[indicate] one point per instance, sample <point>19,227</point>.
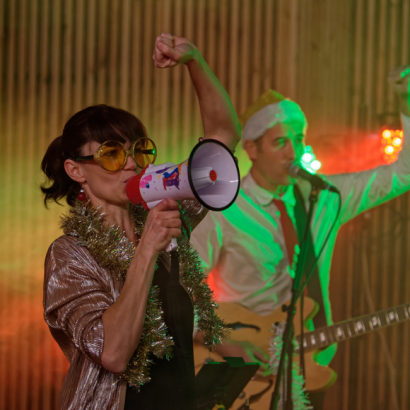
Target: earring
<point>81,195</point>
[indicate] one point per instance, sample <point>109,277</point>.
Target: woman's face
<point>103,187</point>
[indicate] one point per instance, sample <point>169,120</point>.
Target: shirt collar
<point>263,197</point>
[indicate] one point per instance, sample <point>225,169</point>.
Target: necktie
<point>289,231</point>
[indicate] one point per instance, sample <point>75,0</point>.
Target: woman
<point>128,342</point>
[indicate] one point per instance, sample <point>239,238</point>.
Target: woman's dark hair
<point>96,123</point>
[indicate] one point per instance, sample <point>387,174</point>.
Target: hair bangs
<point>114,124</point>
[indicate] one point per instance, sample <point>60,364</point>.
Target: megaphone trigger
<point>172,245</point>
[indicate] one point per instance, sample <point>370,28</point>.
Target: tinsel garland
<point>299,396</point>
<point>113,251</point>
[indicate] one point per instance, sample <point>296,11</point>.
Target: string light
<point>307,157</point>
<point>309,161</point>
<point>389,150</point>
<point>392,144</point>
<point>315,164</point>
<point>397,142</point>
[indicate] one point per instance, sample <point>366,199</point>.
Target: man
<point>247,250</point>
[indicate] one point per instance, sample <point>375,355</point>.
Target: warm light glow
<point>309,161</point>
<point>397,142</point>
<point>390,158</point>
<point>389,149</point>
<point>307,157</point>
<point>392,144</point>
<point>386,134</point>
<point>316,164</point>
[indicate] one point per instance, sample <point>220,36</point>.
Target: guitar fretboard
<point>338,332</point>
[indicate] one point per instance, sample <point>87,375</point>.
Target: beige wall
<point>331,56</point>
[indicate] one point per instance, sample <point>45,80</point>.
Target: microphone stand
<point>287,347</point>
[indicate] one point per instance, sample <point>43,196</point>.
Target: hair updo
<point>98,123</point>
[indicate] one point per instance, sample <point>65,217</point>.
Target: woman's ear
<point>74,171</point>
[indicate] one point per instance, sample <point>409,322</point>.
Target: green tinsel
<point>113,251</point>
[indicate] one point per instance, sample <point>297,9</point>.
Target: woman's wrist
<point>142,265</point>
<point>195,60</point>
<point>146,251</point>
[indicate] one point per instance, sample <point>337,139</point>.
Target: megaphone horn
<point>210,175</point>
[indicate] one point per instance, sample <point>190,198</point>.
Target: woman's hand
<point>124,320</point>
<point>218,115</point>
<point>163,223</point>
<point>170,51</point>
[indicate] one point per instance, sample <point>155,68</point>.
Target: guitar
<point>251,327</point>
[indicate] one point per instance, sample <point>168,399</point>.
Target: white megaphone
<point>210,175</point>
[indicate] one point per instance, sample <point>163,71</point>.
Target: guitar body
<point>318,378</point>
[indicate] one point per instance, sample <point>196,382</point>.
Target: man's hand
<point>399,78</point>
<point>248,351</point>
<point>170,51</point>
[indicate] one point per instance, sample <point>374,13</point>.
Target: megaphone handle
<point>172,245</point>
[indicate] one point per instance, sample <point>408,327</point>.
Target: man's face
<point>274,152</point>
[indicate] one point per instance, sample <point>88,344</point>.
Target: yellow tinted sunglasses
<point>112,155</point>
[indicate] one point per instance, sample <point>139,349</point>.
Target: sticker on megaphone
<point>210,175</point>
<point>159,182</point>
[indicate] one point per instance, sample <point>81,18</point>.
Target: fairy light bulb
<point>391,143</point>
<point>307,157</point>
<point>389,149</point>
<point>316,165</point>
<point>309,161</point>
<point>397,142</point>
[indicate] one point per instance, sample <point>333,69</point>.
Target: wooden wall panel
<point>332,57</point>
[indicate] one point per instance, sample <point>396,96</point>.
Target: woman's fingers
<point>166,39</point>
<point>160,49</point>
<point>168,35</point>
<point>163,223</point>
<point>166,204</point>
<point>170,56</point>
<point>171,223</point>
<point>175,233</point>
<point>170,50</point>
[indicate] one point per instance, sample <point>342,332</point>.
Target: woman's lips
<point>132,176</point>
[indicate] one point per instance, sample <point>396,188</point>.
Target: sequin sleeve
<point>76,294</point>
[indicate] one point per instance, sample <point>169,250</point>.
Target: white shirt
<point>243,248</point>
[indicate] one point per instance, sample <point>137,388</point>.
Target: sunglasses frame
<point>131,152</point>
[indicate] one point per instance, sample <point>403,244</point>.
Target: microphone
<point>296,170</point>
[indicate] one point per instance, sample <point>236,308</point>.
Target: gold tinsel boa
<point>113,251</point>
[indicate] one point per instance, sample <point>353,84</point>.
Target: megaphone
<point>210,175</point>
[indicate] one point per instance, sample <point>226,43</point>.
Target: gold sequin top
<point>77,291</point>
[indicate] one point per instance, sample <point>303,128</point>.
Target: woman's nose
<point>130,164</point>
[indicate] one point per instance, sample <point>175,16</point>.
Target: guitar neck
<point>325,336</point>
